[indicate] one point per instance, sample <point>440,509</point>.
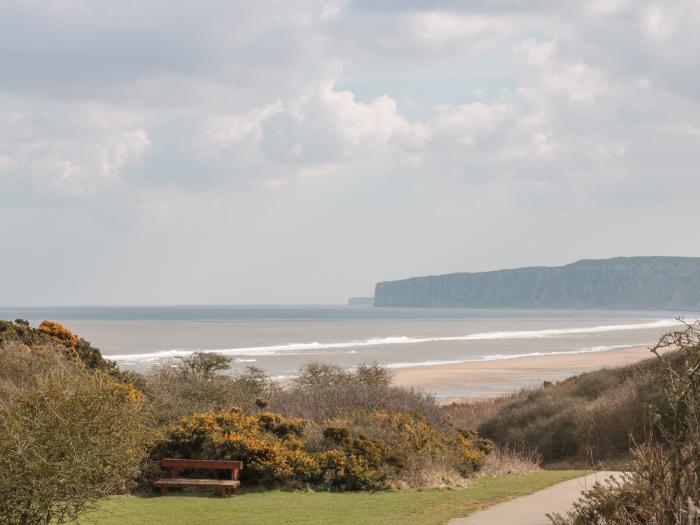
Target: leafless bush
<point>195,384</point>
<point>323,392</point>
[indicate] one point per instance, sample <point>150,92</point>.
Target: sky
<point>298,152</point>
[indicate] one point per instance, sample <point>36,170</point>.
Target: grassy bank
<point>432,506</point>
<point>583,420</point>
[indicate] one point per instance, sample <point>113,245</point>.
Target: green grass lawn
<point>427,507</point>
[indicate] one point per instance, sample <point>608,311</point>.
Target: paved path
<point>532,509</point>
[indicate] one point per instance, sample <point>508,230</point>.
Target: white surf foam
<point>501,357</point>
<point>313,348</point>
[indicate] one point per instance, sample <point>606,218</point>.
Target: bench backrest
<point>173,465</point>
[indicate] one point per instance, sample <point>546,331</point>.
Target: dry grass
<point>506,461</point>
<point>587,419</point>
<point>474,412</point>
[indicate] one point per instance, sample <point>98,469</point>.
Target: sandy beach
<point>480,379</point>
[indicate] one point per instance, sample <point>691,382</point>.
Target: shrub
<point>323,392</point>
<point>196,384</point>
<point>54,337</point>
<point>268,444</point>
<point>663,483</point>
<point>375,451</point>
<point>353,463</point>
<point>411,444</point>
<point>321,375</point>
<point>594,416</point>
<point>203,365</point>
<point>70,436</point>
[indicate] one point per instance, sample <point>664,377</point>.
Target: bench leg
<point>223,491</point>
<point>163,491</point>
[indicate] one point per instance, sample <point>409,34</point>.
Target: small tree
<point>203,365</point>
<point>197,383</point>
<point>70,436</point>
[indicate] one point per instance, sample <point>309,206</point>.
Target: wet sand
<point>489,378</point>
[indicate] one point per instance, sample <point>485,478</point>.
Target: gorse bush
<point>53,338</point>
<point>53,335</point>
<point>371,452</point>
<point>413,443</point>
<point>269,445</point>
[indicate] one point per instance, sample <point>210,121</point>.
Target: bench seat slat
<point>188,482</point>
<point>201,464</point>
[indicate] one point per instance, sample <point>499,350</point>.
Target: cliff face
<point>664,283</point>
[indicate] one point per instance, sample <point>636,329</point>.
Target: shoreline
<point>483,379</point>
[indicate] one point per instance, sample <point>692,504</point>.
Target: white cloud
<point>578,81</point>
<point>286,118</point>
<point>536,53</point>
<point>224,131</point>
<point>467,123</point>
<point>128,147</point>
<point>329,125</point>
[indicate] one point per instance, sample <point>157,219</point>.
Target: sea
<point>280,339</point>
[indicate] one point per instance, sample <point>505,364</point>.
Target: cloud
<point>128,147</point>
<point>90,173</point>
<point>73,151</point>
<point>329,125</point>
<point>241,127</point>
<point>233,94</point>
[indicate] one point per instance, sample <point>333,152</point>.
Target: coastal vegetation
<point>663,481</point>
<point>644,419</point>
<point>78,429</point>
<point>70,435</point>
<point>588,419</point>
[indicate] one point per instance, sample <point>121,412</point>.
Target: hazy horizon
<point>297,153</point>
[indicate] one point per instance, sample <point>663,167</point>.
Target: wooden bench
<point>224,486</point>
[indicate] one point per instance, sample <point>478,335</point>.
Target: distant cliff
<point>664,283</point>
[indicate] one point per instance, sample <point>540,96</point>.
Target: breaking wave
<point>501,357</point>
<point>313,348</point>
